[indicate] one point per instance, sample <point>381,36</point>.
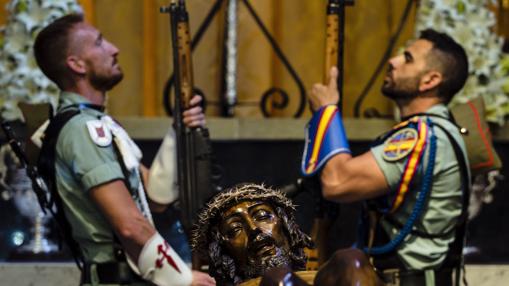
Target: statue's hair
<point>206,237</point>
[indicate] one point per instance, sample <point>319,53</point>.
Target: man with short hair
<point>94,167</point>
<point>415,178</point>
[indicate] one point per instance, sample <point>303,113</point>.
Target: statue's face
<point>254,236</point>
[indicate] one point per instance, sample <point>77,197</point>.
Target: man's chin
<point>107,84</point>
<point>388,93</point>
<point>400,98</point>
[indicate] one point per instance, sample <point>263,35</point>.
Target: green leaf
<point>22,6</point>
<point>460,6</point>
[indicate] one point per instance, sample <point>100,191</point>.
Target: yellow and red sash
<point>411,143</point>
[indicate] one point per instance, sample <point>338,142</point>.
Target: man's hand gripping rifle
<point>193,144</point>
<point>322,145</point>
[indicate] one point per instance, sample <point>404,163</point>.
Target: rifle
<point>324,211</point>
<point>38,184</point>
<point>194,150</point>
<point>47,200</point>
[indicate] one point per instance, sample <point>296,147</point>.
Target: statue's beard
<point>257,267</point>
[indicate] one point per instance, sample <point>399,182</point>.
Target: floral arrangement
<point>20,78</point>
<point>471,22</point>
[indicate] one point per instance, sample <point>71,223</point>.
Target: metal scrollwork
<point>269,98</point>
<point>282,102</point>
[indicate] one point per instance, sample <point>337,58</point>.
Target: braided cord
<point>419,204</point>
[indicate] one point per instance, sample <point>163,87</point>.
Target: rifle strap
<point>455,257</point>
<point>463,168</point>
<point>46,166</point>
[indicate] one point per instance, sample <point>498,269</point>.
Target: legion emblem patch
<point>400,144</point>
<point>99,132</point>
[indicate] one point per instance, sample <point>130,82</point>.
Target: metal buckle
<point>391,277</point>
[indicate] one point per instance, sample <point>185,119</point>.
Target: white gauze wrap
<point>161,265</point>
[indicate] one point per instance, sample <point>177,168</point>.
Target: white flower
<point>20,78</point>
<point>470,23</point>
<point>17,40</point>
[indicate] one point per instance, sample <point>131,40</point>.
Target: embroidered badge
<point>400,144</point>
<point>99,133</point>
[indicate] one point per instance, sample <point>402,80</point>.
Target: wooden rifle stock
<point>333,57</point>
<point>332,39</point>
<point>193,144</point>
<point>184,66</point>
<point>334,42</point>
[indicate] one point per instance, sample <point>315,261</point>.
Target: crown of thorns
<point>201,234</point>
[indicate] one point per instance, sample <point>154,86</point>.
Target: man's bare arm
<point>347,179</point>
<point>132,228</point>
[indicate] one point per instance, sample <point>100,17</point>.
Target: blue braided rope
<point>419,204</point>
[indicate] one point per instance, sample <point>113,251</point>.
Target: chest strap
<point>46,167</point>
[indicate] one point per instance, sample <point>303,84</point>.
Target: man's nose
<point>114,50</point>
<point>394,61</point>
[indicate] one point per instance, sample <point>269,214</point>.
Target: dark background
<point>277,164</point>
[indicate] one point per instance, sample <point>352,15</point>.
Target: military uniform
<point>86,158</point>
<point>443,206</point>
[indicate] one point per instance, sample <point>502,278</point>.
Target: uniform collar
<point>439,110</point>
<point>68,99</point>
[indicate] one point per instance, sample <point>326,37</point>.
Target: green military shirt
<point>82,164</point>
<point>444,205</point>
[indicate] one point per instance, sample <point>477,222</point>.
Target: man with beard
<point>415,177</point>
<point>93,168</point>
<point>246,230</point>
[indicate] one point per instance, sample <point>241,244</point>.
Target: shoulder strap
<point>454,257</point>
<point>46,166</point>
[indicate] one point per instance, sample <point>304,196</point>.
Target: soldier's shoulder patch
<point>99,132</point>
<point>400,144</point>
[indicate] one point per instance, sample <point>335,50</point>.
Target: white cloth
<point>162,183</point>
<point>131,155</point>
<point>130,152</point>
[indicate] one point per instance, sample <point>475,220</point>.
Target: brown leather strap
<point>397,277</point>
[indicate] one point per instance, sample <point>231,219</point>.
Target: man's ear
<point>76,64</point>
<point>429,81</point>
